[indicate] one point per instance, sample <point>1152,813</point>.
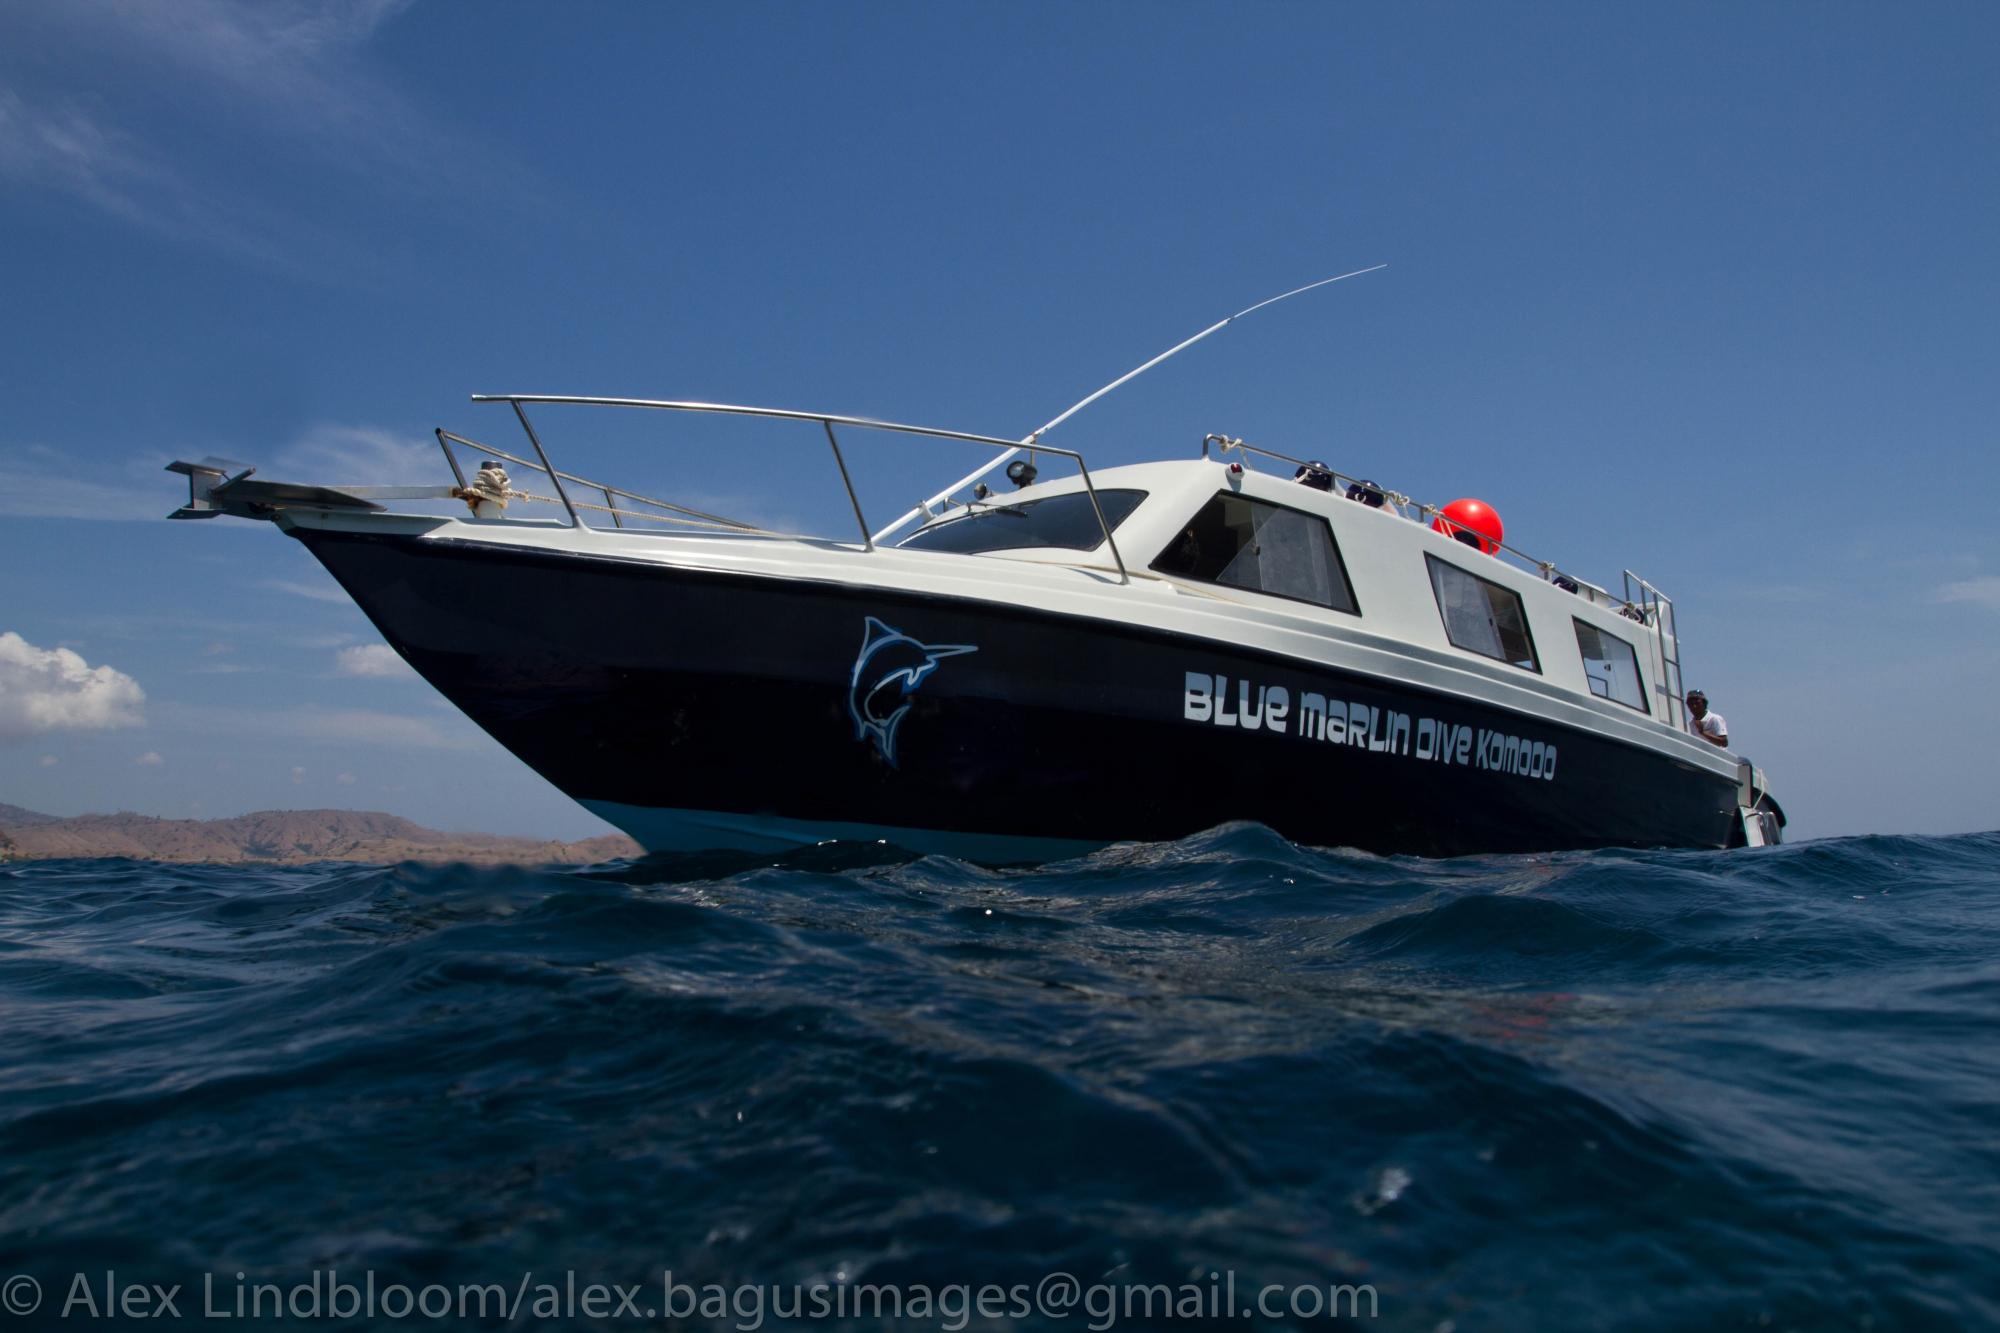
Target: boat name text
<point>1209,699</point>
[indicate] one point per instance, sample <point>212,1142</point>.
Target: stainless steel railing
<point>670,512</point>
<point>1642,602</point>
<point>1420,512</point>
<point>1658,610</point>
<point>826,420</point>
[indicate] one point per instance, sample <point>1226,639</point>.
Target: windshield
<point>1065,521</point>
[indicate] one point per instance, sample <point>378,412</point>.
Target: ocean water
<point>1621,1089</point>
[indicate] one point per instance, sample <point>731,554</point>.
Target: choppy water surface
<point>1635,1089</point>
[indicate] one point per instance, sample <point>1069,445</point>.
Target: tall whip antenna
<point>1028,441</point>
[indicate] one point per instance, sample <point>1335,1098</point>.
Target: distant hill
<point>282,836</point>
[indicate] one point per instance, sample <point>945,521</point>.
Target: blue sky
<point>1704,291</point>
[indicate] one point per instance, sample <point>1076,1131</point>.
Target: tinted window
<point>1245,543</point>
<point>1481,616</point>
<point>1067,521</point>
<point>1612,667</point>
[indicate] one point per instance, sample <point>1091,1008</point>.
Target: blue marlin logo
<point>888,670</point>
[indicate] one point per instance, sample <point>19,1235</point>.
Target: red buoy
<point>1472,522</point>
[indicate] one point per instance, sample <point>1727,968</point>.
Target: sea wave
<point>1661,1089</point>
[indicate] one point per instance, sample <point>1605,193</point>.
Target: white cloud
<point>1983,591</point>
<point>52,689</point>
<point>48,761</point>
<point>344,779</point>
<point>298,775</point>
<point>150,759</point>
<point>371,659</point>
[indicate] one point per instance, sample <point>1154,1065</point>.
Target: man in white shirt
<point>1709,726</point>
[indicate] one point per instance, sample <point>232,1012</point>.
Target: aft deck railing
<point>826,420</point>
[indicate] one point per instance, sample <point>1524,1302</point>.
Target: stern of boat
<point>1760,819</point>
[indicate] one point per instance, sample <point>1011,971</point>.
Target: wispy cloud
<point>61,146</point>
<point>285,54</point>
<point>1982,591</point>
<point>360,455</point>
<point>280,81</point>
<point>318,592</point>
<point>377,660</point>
<point>336,726</point>
<point>39,482</point>
<point>44,690</point>
<point>362,726</point>
<point>215,666</point>
<point>65,148</point>
<point>150,759</point>
<point>1778,592</point>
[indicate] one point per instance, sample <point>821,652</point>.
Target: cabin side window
<point>1244,543</point>
<point>1482,617</point>
<point>1612,667</point>
<point>1067,522</point>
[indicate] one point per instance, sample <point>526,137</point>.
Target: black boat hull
<point>705,709</point>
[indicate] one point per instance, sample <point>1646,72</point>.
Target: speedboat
<point>1134,653</point>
